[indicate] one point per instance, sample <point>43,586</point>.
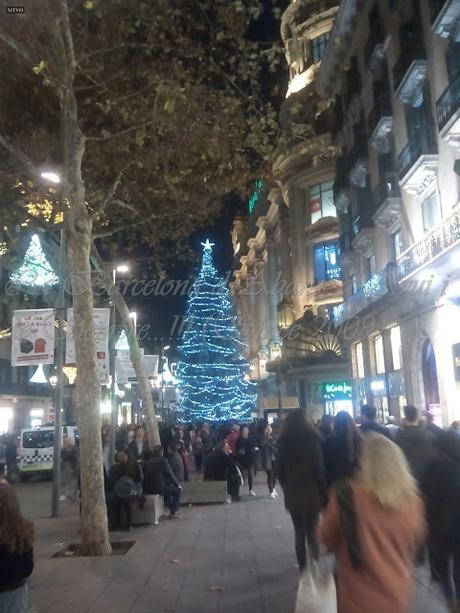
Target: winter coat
<point>177,465</point>
<point>341,459</point>
<point>14,568</point>
<point>231,440</point>
<point>268,453</point>
<point>440,486</point>
<point>245,453</point>
<point>373,426</point>
<point>302,475</point>
<point>134,452</point>
<point>417,445</point>
<point>388,539</point>
<point>157,476</point>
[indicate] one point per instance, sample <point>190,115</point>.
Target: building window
<point>359,360</point>
<point>396,347</point>
<point>430,212</point>
<point>322,201</point>
<point>326,261</point>
<point>318,46</point>
<point>379,357</point>
<point>371,267</point>
<point>396,243</point>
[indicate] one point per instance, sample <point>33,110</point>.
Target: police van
<point>36,449</point>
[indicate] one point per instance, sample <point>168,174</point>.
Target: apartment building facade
<point>391,70</point>
<point>287,276</point>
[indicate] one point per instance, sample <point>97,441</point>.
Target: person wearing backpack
<point>122,486</point>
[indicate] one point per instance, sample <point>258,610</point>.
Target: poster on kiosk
<point>32,337</point>
<point>101,318</point>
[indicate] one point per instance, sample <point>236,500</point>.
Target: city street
<point>215,558</point>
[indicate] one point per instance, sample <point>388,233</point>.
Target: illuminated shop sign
<point>337,390</point>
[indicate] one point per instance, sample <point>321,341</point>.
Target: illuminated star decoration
<point>35,271</point>
<point>207,245</point>
<point>212,370</point>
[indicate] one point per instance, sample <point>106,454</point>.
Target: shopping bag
<point>316,592</point>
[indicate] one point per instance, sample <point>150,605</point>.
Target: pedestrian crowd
<point>382,499</point>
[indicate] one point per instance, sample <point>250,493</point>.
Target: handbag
<point>316,592</point>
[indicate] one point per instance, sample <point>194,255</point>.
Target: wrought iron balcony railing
<point>388,188</point>
<point>382,108</point>
<point>422,143</point>
<point>412,49</point>
<point>449,101</point>
<point>443,236</point>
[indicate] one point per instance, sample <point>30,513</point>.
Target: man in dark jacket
<point>440,487</point>
<point>160,479</point>
<point>139,446</point>
<point>415,442</point>
<point>369,421</point>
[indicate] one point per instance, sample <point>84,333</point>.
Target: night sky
<point>161,312</point>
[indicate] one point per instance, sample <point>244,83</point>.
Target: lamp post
<point>121,268</point>
<point>162,359</point>
<point>53,177</point>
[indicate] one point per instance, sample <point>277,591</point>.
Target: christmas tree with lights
<point>212,372</point>
<point>35,270</point>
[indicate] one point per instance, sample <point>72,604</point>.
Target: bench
<point>151,512</point>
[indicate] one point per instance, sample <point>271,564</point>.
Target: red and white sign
<point>33,337</point>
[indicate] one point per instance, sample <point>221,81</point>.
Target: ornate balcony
<point>418,163</point>
<point>448,109</point>
<point>358,160</point>
<point>410,71</point>
<point>445,18</point>
<point>380,124</point>
<point>363,234</point>
<point>443,237</point>
<point>374,289</point>
<point>342,200</point>
<point>374,51</point>
<point>387,202</point>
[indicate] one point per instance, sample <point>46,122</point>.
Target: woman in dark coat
<point>341,449</point>
<point>269,456</point>
<point>302,476</point>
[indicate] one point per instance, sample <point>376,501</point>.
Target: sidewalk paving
<point>214,559</point>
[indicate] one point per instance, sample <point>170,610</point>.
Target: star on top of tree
<point>207,245</point>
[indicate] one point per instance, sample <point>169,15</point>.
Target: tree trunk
<point>145,388</point>
<point>93,518</point>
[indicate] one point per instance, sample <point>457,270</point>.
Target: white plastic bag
<point>316,592</point>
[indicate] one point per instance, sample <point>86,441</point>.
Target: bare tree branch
<point>110,193</point>
<point>124,227</point>
<point>19,155</point>
<point>121,133</point>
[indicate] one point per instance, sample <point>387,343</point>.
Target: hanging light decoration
<point>35,270</point>
<point>39,375</point>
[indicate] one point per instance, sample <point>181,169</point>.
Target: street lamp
<point>123,268</point>
<point>133,316</point>
<point>53,177</point>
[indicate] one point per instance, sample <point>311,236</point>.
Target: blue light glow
<point>212,371</point>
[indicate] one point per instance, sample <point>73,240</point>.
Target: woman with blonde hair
<point>374,523</point>
<point>16,552</point>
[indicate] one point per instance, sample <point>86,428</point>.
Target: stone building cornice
<point>310,154</point>
<point>339,47</point>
